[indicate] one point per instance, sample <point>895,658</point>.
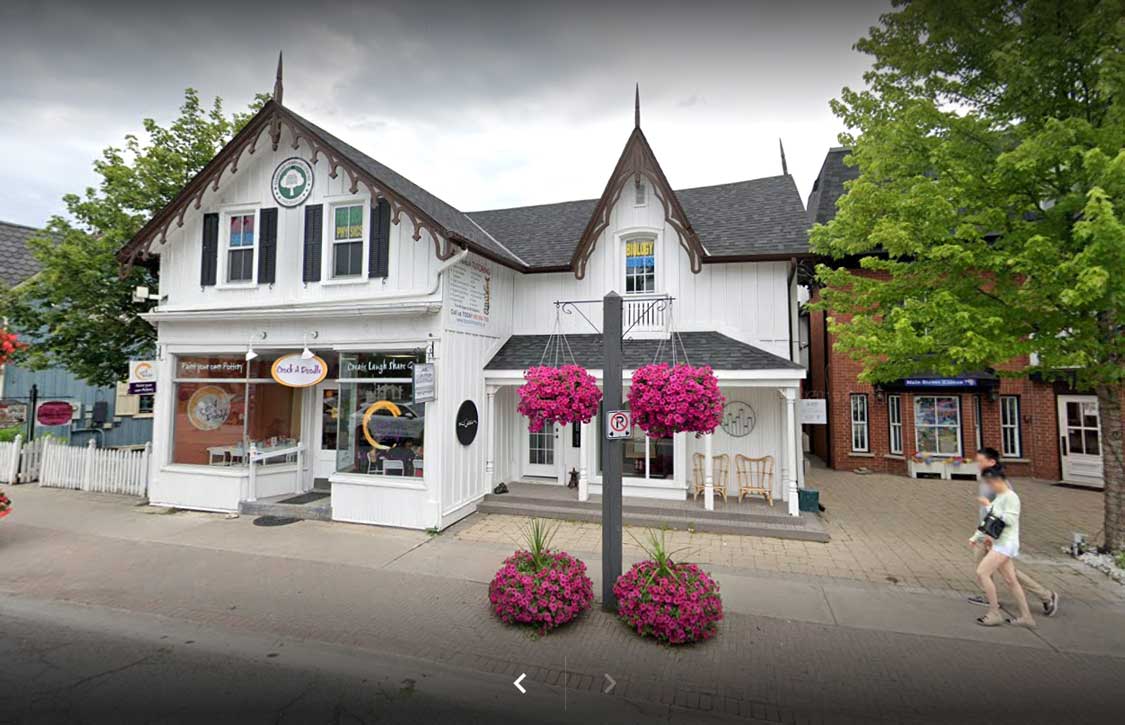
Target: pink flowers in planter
<point>539,586</point>
<point>680,606</point>
<point>681,399</point>
<point>566,394</point>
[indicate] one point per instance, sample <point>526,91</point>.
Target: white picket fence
<point>19,461</point>
<point>94,469</point>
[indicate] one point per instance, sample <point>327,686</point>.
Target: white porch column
<point>708,473</point>
<point>583,463</point>
<point>490,427</point>
<point>792,451</point>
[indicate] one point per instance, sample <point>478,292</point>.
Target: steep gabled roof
<point>18,264</point>
<point>829,185</point>
<point>545,236</point>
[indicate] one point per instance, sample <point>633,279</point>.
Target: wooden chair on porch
<point>755,477</point>
<point>697,476</point>
<point>721,474</point>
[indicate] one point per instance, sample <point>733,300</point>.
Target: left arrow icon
<point>518,681</point>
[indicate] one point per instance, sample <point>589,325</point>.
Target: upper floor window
<point>640,193</point>
<point>241,242</point>
<point>347,241</point>
<point>640,266</point>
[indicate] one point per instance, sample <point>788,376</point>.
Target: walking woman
<point>1002,526</point>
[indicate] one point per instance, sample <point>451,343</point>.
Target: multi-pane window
<point>541,446</point>
<point>240,248</point>
<point>894,419</point>
<point>860,440</point>
<point>1010,426</point>
<point>347,241</point>
<point>937,424</point>
<point>640,266</point>
<point>145,404</point>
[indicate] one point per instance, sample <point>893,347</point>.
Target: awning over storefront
<point>971,382</point>
<point>703,348</point>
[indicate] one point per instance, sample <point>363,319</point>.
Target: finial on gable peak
<point>637,108</point>
<point>278,89</point>
<point>784,166</point>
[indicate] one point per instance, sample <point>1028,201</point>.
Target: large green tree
<point>78,311</point>
<point>989,203</point>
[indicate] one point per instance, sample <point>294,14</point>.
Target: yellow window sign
<point>640,248</point>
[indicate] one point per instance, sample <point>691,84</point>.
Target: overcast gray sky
<point>486,104</point>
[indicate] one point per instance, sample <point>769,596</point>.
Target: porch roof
<point>703,348</point>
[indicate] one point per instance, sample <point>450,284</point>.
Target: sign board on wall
<point>425,382</point>
<point>292,182</point>
<point>812,411</point>
<point>467,422</point>
<point>295,371</point>
<point>54,412</point>
<point>142,377</point>
<point>470,294</point>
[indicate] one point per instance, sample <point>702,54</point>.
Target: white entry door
<point>327,427</point>
<point>539,452</point>
<point>1080,440</point>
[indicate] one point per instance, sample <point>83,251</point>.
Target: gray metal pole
<point>611,451</point>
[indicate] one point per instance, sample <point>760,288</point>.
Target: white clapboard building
<point>302,282</point>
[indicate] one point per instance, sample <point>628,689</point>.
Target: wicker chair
<point>721,474</point>
<point>697,476</point>
<point>755,477</point>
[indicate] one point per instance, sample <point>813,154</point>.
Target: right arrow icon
<point>610,683</point>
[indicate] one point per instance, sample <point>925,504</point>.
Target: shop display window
<point>380,432</point>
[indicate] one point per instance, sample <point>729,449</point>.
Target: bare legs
<point>992,562</point>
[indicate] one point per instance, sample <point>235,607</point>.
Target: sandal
<point>992,619</point>
<point>1028,623</point>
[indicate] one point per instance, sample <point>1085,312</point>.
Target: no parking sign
<point>619,424</point>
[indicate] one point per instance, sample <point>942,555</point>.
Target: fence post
<point>145,456</point>
<point>14,463</point>
<point>88,466</point>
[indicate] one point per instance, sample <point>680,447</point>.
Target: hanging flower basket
<point>680,399</point>
<point>566,394</point>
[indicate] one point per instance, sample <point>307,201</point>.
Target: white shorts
<point>1010,550</point>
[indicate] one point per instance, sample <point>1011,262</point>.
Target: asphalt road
<point>67,663</point>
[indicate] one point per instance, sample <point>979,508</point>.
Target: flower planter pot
<point>545,598</point>
<point>678,609</point>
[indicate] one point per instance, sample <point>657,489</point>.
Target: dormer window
<point>640,266</point>
<point>240,247</point>
<point>640,193</point>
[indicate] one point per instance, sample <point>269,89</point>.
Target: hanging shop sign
<point>292,182</point>
<point>739,419</point>
<point>425,382</point>
<point>467,422</point>
<point>812,411</point>
<point>142,377</point>
<point>54,412</point>
<point>618,424</point>
<point>295,371</point>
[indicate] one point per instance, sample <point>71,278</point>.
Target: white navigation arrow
<point>610,684</point>
<point>518,681</point>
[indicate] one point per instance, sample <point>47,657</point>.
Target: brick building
<point>926,425</point>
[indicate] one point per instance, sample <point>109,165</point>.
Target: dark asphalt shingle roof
<point>744,218</point>
<point>703,348</point>
<point>17,263</point>
<point>829,186</point>
<point>440,211</point>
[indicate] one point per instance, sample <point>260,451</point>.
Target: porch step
<point>777,514</point>
<point>781,527</point>
<point>316,511</point>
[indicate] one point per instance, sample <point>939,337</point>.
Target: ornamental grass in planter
<point>675,399</point>
<point>566,394</point>
<point>671,602</point>
<point>539,586</point>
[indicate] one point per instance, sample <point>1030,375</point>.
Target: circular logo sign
<point>467,422</point>
<point>292,182</point>
<point>54,412</point>
<point>738,419</point>
<point>295,371</point>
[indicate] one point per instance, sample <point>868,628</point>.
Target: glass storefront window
<point>224,406</point>
<point>642,456</point>
<point>937,424</point>
<point>379,431</point>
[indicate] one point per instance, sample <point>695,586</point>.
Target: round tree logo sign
<point>292,182</point>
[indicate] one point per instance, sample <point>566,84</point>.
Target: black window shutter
<point>378,262</point>
<point>267,246</point>
<point>209,261</point>
<point>314,223</point>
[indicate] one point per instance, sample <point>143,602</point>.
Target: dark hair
<point>996,472</point>
<point>990,453</point>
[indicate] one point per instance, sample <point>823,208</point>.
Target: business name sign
<point>940,382</point>
<point>292,182</point>
<point>142,377</point>
<point>813,411</point>
<point>54,412</point>
<point>295,371</point>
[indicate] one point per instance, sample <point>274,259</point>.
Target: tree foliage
<point>78,311</point>
<point>990,198</point>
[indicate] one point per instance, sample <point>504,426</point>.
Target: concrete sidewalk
<point>790,646</point>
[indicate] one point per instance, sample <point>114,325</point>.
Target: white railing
<point>647,315</point>
<point>94,469</point>
<point>31,460</point>
<point>257,456</point>
<point>10,460</point>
